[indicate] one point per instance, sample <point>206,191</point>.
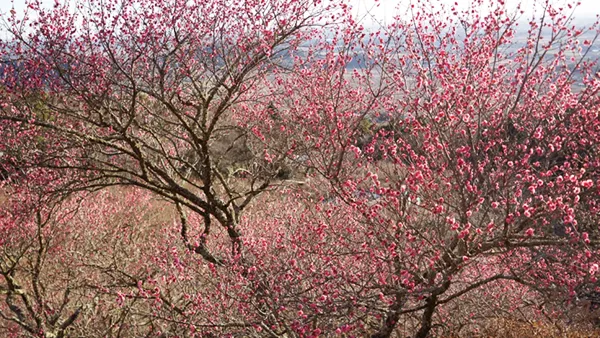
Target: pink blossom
<point>593,269</point>
<point>587,183</point>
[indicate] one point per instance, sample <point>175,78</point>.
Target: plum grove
<point>273,168</point>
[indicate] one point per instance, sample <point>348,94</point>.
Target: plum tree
<point>148,94</point>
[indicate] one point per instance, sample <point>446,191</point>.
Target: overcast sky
<point>587,7</point>
<point>384,10</point>
<point>387,8</point>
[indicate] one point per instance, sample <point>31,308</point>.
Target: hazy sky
<point>386,8</point>
<point>587,7</point>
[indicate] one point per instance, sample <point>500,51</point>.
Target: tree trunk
<point>392,317</point>
<point>427,316</point>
